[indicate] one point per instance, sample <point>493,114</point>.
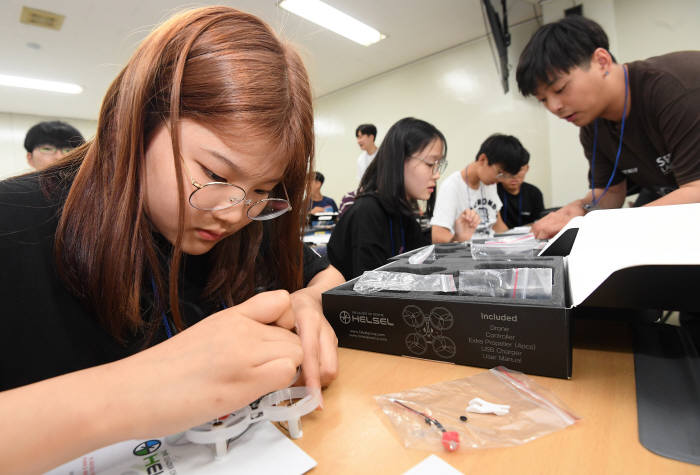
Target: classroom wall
<point>458,90</point>
<point>14,127</point>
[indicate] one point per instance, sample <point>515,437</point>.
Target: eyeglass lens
<point>49,149</point>
<point>268,209</point>
<point>218,196</point>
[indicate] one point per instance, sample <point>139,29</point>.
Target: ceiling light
<point>333,19</point>
<point>40,84</point>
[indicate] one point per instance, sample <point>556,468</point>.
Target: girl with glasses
<point>383,221</point>
<point>135,266</point>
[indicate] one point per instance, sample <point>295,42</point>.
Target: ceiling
<point>98,36</point>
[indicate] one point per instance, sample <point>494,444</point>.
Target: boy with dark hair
<point>522,202</point>
<point>470,194</point>
<point>640,121</point>
<point>320,203</point>
<point>366,134</point>
<point>48,141</point>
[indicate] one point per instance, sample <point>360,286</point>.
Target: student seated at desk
<point>133,264</point>
<point>640,121</point>
<point>320,203</point>
<point>382,221</point>
<point>522,201</point>
<point>471,193</point>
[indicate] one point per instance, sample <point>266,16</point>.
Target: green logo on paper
<point>148,447</point>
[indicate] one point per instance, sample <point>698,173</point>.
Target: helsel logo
<point>148,447</point>
<point>347,318</point>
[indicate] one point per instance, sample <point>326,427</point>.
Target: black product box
<point>532,336</point>
<point>453,249</point>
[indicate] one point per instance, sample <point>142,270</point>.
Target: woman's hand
<point>320,365</point>
<point>465,225</point>
<point>217,366</point>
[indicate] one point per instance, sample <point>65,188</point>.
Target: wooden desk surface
<point>352,435</point>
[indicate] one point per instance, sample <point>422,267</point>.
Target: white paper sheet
<point>263,449</point>
<point>433,465</point>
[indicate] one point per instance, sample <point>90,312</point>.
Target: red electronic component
<point>450,440</point>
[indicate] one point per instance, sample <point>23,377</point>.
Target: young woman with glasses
<point>135,267</point>
<point>383,221</point>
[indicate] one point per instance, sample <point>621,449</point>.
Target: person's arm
<point>439,234</point>
<point>499,226</point>
<point>686,193</point>
<point>551,224</point>
<point>231,358</point>
<point>538,204</point>
<point>320,365</point>
<point>465,225</point>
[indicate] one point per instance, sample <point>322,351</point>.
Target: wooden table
<point>352,435</point>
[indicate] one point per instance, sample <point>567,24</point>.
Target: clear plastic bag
<point>376,280</point>
<point>507,247</point>
<point>534,412</point>
<point>518,283</point>
<point>483,231</point>
<point>424,255</point>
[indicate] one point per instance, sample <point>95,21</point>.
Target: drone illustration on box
<point>429,331</point>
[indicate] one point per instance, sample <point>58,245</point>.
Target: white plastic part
<point>294,426</point>
<point>219,431</point>
<point>481,406</point>
<point>420,256</point>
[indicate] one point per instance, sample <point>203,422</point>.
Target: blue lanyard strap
<point>166,322</point>
<point>595,201</point>
<point>391,234</point>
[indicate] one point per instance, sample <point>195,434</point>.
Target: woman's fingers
<point>269,307</point>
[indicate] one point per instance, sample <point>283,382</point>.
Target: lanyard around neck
<point>590,206</point>
<point>391,234</point>
<point>166,322</point>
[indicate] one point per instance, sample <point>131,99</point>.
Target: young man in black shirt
<point>640,121</point>
<point>522,202</point>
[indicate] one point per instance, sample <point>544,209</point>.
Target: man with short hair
<point>320,203</point>
<point>640,121</point>
<point>470,195</point>
<point>366,134</point>
<point>522,201</point>
<point>49,141</point>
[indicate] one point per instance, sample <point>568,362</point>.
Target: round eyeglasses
<point>216,196</point>
<point>437,166</point>
<point>51,149</point>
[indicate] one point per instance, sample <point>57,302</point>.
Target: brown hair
<point>227,71</point>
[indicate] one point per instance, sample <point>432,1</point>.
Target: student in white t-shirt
<point>472,190</point>
<point>366,134</point>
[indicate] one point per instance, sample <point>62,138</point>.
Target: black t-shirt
<point>661,142</point>
<point>46,331</point>
<point>367,234</point>
<point>523,208</point>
